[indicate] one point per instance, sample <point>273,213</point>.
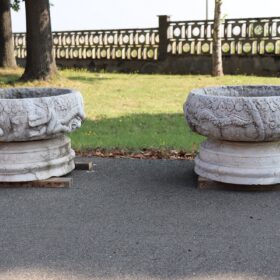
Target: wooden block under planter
<point>55,182</point>
<point>83,165</point>
<point>207,184</point>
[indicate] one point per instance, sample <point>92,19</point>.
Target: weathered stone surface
<point>239,162</point>
<point>235,113</point>
<point>242,124</point>
<point>32,126</point>
<point>38,113</point>
<point>35,160</point>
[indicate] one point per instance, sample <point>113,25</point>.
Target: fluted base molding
<point>244,163</point>
<point>35,160</point>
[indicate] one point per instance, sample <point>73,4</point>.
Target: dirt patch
<point>144,154</point>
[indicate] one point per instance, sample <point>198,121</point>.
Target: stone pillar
<point>163,23</point>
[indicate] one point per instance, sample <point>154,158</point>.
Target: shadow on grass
<point>136,132</point>
<point>87,79</point>
<point>8,78</point>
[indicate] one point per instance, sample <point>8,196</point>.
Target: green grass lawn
<point>132,111</point>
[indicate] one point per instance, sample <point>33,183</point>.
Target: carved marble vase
<point>33,123</point>
<point>242,124</point>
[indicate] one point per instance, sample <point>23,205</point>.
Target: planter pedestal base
<point>242,163</point>
<point>35,160</point>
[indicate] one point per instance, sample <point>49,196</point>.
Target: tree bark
<point>217,61</point>
<point>40,62</point>
<point>7,56</point>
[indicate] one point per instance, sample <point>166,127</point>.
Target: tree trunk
<point>7,56</point>
<point>217,62</point>
<point>40,62</point>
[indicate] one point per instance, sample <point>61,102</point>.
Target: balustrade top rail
<point>247,36</point>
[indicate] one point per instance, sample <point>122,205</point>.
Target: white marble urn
<point>242,124</point>
<point>33,124</point>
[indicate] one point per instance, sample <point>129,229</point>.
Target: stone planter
<point>242,124</point>
<point>33,123</point>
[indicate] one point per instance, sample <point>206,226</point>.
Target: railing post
<point>163,24</point>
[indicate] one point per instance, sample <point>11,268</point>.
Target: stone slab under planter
<point>242,124</point>
<point>33,122</point>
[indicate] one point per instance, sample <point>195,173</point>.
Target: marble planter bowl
<point>242,124</point>
<point>33,123</point>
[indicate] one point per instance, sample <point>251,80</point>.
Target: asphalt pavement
<point>138,219</point>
